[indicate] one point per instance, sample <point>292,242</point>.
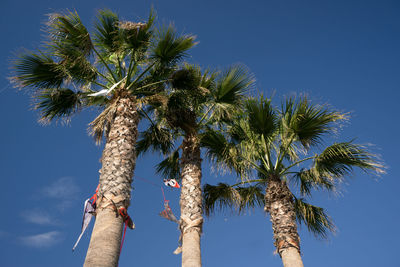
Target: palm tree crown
<point>76,70</point>
<point>279,146</point>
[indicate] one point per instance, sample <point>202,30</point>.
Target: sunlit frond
<point>229,92</point>
<point>339,160</point>
<point>315,218</point>
<point>223,153</point>
<point>308,122</point>
<point>308,179</point>
<point>67,32</point>
<point>261,116</point>
<point>170,47</point>
<point>107,36</point>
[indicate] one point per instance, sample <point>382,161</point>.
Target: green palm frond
<point>71,44</point>
<point>219,197</point>
<point>339,160</point>
<point>307,179</point>
<point>107,36</point>
<point>229,92</point>
<point>261,116</point>
<point>78,69</point>
<point>171,48</point>
<point>57,103</point>
<point>169,167</point>
<point>232,85</point>
<point>220,151</point>
<point>224,196</point>
<point>156,138</point>
<point>68,33</point>
<point>38,71</point>
<point>315,218</point>
<point>333,164</point>
<point>308,122</point>
<point>251,197</point>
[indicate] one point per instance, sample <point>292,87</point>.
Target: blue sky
<point>345,53</point>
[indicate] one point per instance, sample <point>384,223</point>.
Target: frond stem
<point>151,84</point>
<point>205,114</point>
<point>130,68</point>
<point>148,117</point>
<point>251,181</point>
<point>105,64</point>
<point>281,153</point>
<point>141,75</point>
<point>294,164</point>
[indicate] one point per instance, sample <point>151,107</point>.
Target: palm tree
<point>280,148</point>
<point>195,103</point>
<point>118,69</point>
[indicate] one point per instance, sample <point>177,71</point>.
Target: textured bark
<point>118,163</point>
<point>191,202</point>
<point>279,203</point>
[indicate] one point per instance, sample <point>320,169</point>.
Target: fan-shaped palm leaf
<point>315,218</point>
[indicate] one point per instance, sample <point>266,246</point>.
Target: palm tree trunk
<point>118,163</point>
<point>191,202</point>
<point>279,204</point>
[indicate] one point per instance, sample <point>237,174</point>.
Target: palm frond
<point>107,35</point>
<point>307,179</point>
<point>261,116</point>
<point>70,42</point>
<point>171,48</point>
<point>308,122</point>
<point>169,167</point>
<point>38,71</point>
<point>68,33</point>
<point>220,151</point>
<point>78,69</point>
<point>224,196</point>
<point>232,85</point>
<point>57,103</point>
<point>155,138</point>
<point>315,218</point>
<point>339,160</point>
<point>229,91</point>
<point>221,196</point>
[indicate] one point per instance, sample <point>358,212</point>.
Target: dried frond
<point>98,127</point>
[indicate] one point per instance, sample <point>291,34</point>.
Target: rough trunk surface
<point>118,163</point>
<point>191,202</point>
<point>279,204</point>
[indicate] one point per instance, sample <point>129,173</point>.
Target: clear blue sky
<point>345,53</point>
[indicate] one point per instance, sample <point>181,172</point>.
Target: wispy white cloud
<point>63,191</point>
<point>40,217</point>
<point>42,240</point>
